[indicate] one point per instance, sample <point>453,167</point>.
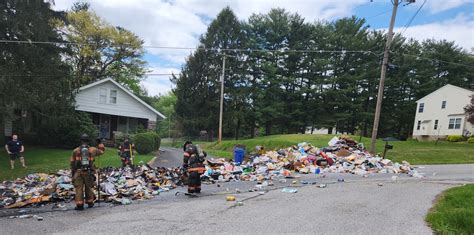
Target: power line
<point>384,12</point>
<point>249,73</point>
<point>60,75</point>
<point>201,48</point>
<point>381,13</point>
<point>433,59</point>
<point>413,17</point>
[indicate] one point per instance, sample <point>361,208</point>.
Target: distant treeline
<point>288,74</point>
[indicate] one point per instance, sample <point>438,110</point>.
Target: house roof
<point>447,85</point>
<point>125,90</point>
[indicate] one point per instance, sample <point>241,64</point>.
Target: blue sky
<point>178,23</point>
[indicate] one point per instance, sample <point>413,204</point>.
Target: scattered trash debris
<point>121,185</point>
<point>289,190</point>
<point>125,201</point>
<point>342,155</point>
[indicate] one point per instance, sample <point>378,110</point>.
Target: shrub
<point>64,131</point>
<point>471,140</point>
<point>144,143</point>
<point>119,137</point>
<point>454,138</point>
<point>156,139</point>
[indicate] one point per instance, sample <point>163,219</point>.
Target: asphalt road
<point>376,205</point>
<point>169,157</point>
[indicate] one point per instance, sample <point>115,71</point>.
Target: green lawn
<point>412,151</point>
<point>454,211</point>
<point>48,160</point>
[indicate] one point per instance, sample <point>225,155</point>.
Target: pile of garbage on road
<point>120,185</point>
<point>342,155</point>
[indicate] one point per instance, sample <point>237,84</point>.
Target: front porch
<point>108,124</point>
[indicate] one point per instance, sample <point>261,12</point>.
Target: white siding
<point>88,100</point>
<point>456,99</point>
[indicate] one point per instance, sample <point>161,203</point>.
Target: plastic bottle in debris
<point>318,170</point>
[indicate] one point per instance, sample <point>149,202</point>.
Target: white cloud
<point>460,30</point>
<point>437,6</point>
<point>178,23</point>
<point>160,84</point>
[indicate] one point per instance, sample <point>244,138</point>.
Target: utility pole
<point>382,78</point>
<point>222,100</point>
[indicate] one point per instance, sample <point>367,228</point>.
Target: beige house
<point>441,113</point>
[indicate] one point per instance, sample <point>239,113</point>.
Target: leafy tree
<point>100,50</point>
<point>165,104</point>
<point>300,74</point>
<point>198,86</point>
<point>33,76</point>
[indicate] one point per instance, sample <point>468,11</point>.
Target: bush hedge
<point>471,140</point>
<point>157,140</point>
<point>146,142</point>
<point>119,137</point>
<point>64,131</point>
<point>454,138</point>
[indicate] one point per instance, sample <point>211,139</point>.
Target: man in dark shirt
<point>15,149</point>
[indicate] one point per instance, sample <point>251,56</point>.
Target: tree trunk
<point>366,124</point>
<point>268,128</point>
<point>237,129</point>
<point>252,128</point>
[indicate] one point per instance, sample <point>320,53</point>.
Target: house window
<point>443,104</point>
<point>419,125</point>
<point>454,123</point>
<point>436,125</point>
<point>122,125</point>
<point>102,95</point>
<point>113,97</point>
<point>421,107</point>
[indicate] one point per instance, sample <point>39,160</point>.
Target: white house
<point>320,131</point>
<point>441,113</point>
<point>114,108</point>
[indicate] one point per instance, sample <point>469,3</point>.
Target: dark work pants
<point>194,182</point>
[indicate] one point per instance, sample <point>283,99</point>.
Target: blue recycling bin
<point>239,153</point>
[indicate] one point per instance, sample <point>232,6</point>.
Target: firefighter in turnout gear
<point>193,162</point>
<point>83,170</point>
<point>126,152</point>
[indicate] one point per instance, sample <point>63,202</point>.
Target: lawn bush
<point>471,140</point>
<point>64,132</point>
<point>120,137</point>
<point>144,142</point>
<point>156,139</point>
<point>454,138</point>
